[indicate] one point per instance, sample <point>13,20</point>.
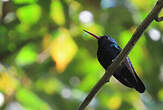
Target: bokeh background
<point>47,62</point>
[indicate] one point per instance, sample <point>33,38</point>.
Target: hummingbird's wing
<point>128,63</point>
<point>127,75</point>
<point>119,75</point>
<point>132,76</point>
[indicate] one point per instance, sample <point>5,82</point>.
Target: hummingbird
<point>108,49</point>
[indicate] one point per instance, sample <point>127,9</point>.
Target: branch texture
<point>123,54</point>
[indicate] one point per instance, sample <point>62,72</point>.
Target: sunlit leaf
<point>57,12</point>
<point>29,14</point>
<point>7,83</point>
<point>160,94</point>
<point>30,101</point>
<point>114,102</point>
<point>27,55</point>
<point>161,23</point>
<point>75,6</point>
<point>142,4</point>
<point>62,49</point>
<point>23,28</point>
<point>24,1</point>
<point>49,85</point>
<point>46,40</point>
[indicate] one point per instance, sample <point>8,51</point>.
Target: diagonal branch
<point>112,68</point>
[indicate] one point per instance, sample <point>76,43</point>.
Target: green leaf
<point>27,55</point>
<point>57,12</point>
<point>160,95</point>
<point>29,14</point>
<point>30,101</point>
<point>24,1</point>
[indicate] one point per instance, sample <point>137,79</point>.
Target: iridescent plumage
<point>108,49</point>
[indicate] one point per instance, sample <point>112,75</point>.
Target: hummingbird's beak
<point>92,34</point>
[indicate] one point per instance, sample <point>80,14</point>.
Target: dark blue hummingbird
<point>108,49</point>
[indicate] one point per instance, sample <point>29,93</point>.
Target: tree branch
<point>123,54</point>
<point>5,6</point>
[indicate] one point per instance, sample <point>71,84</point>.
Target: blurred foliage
<point>48,63</point>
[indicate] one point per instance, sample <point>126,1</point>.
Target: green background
<point>47,62</point>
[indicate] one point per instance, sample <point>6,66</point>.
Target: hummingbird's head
<point>106,40</point>
<point>103,40</point>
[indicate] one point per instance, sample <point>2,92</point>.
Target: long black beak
<point>92,34</point>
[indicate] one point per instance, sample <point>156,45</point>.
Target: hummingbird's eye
<point>104,37</point>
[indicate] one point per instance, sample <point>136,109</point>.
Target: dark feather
<point>108,49</point>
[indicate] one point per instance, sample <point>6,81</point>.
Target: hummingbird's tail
<point>139,85</point>
<point>129,79</point>
<point>132,77</point>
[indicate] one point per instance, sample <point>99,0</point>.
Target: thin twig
<point>158,19</point>
<point>112,68</point>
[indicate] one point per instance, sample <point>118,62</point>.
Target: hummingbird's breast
<point>105,55</point>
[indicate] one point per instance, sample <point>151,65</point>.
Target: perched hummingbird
<point>108,49</point>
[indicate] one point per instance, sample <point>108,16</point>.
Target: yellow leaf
<point>57,12</point>
<point>160,94</point>
<point>62,49</point>
<point>46,41</point>
<point>144,4</point>
<point>7,83</point>
<point>161,23</point>
<point>114,102</point>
